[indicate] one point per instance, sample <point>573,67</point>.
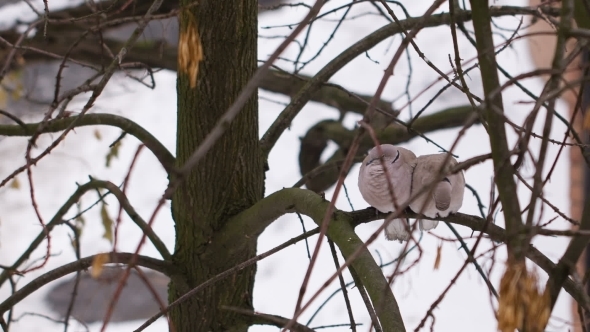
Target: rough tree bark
<point>229,178</point>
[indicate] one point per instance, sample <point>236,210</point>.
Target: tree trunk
<point>230,178</point>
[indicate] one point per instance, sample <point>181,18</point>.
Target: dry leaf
<point>98,263</point>
<point>521,303</point>
<point>190,49</point>
<point>438,257</point>
<point>113,153</point>
<point>107,223</point>
<point>97,134</point>
<point>587,119</point>
<point>15,184</point>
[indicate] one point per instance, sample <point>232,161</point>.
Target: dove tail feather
<point>442,195</point>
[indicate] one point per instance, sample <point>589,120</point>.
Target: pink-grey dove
<point>375,190</point>
<point>447,195</point>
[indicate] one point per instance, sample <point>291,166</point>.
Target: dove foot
<point>426,225</point>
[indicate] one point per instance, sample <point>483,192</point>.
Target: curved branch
<point>329,94</point>
<point>79,265</point>
<point>397,133</point>
<point>315,141</point>
<point>272,135</point>
<point>58,219</point>
<point>158,149</point>
<point>145,228</point>
<point>254,220</point>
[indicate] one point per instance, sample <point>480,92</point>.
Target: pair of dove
<point>409,175</point>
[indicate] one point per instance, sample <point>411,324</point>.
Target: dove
<point>447,195</point>
<point>375,190</point>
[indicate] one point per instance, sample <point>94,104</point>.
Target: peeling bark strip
<point>190,50</point>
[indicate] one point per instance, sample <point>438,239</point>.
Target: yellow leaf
<point>107,223</point>
<point>98,263</point>
<point>113,153</point>
<point>15,184</point>
<point>438,257</point>
<point>79,220</point>
<point>97,134</point>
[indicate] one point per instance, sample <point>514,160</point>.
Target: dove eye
<point>396,157</point>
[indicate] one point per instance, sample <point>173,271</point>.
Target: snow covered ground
<point>467,307</point>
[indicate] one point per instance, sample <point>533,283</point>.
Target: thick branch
<point>496,233</point>
<point>567,262</point>
<point>494,115</point>
<point>254,220</point>
<point>328,94</point>
<point>79,265</point>
<point>128,126</point>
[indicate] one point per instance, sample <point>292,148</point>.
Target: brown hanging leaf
<point>97,134</point>
<point>438,257</point>
<point>98,263</point>
<point>521,303</point>
<point>190,49</point>
<point>107,223</point>
<point>587,119</point>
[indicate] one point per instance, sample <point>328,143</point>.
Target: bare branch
<point>58,219</point>
<point>284,119</point>
<point>158,149</point>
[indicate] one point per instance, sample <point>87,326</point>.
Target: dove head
<point>393,156</point>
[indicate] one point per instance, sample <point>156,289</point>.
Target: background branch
<point>79,265</point>
<point>316,140</point>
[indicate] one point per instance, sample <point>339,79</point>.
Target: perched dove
<point>447,196</point>
<point>375,190</point>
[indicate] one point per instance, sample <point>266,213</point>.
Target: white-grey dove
<point>447,195</point>
<point>375,190</point>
